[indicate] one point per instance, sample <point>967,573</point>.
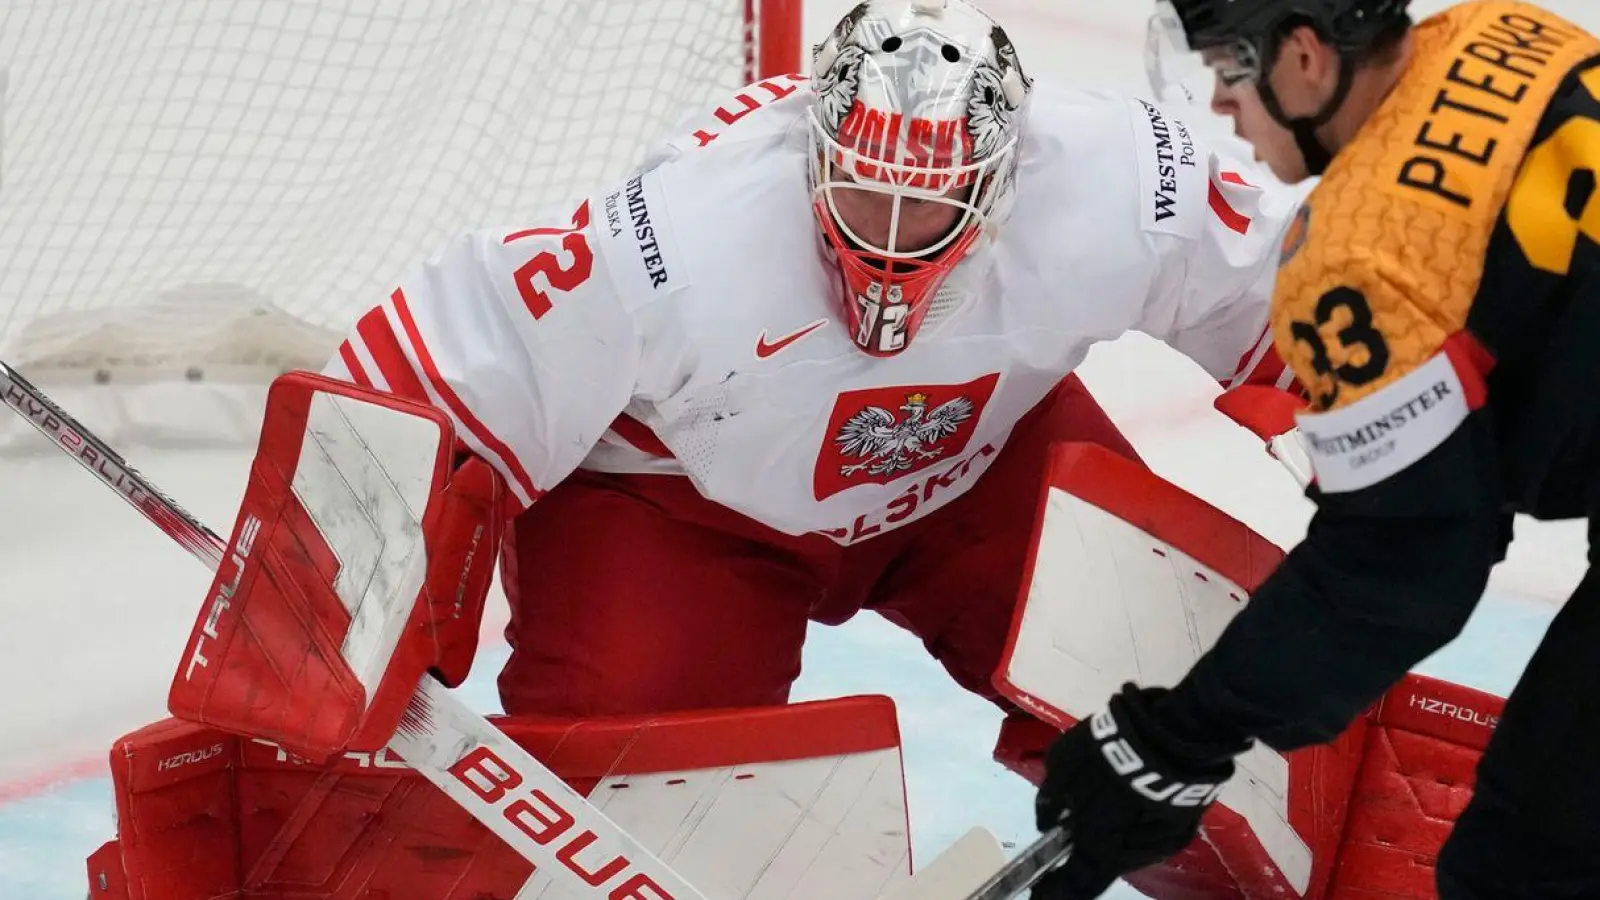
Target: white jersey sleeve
<point>1218,230</point>
<point>519,335</point>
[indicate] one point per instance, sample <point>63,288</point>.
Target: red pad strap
<point>1266,411</point>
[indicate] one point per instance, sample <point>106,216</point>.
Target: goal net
<point>214,189</point>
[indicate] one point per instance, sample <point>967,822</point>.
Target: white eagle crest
<point>998,90</point>
<point>886,444</point>
<point>837,88</point>
<point>989,114</point>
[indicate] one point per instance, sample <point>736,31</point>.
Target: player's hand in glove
<point>1126,790</point>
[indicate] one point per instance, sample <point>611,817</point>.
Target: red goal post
<point>773,38</point>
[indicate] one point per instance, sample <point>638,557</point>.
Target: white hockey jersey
<point>686,320</point>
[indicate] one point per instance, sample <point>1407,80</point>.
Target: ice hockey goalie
<point>223,807</point>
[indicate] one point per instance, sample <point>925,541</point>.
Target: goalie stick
<point>1050,850</point>
<point>496,781</point>
<point>109,466</point>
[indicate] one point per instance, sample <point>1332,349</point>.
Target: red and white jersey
<point>686,320</point>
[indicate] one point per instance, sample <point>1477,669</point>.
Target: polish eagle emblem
<point>885,443</point>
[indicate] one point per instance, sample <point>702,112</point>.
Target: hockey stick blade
<point>495,780</point>
<point>1050,850</point>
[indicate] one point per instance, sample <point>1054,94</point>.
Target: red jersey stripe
<point>458,408</point>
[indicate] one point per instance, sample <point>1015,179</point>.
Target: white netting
<point>191,186</point>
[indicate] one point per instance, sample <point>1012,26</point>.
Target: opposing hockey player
<point>1438,302</point>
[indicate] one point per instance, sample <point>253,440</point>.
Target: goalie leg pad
<point>1532,828</point>
<point>358,562</point>
<point>802,801</point>
<point>1133,578</point>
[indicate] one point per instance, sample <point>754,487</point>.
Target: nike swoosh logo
<point>765,349</point>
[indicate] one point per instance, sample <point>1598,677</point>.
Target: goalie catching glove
<point>363,551</point>
<point>1136,790</point>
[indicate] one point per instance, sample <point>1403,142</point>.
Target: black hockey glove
<point>1124,789</point>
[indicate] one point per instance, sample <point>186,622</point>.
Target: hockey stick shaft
<point>495,780</point>
<point>1050,850</point>
<point>109,466</point>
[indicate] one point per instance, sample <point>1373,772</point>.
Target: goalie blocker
<point>1132,579</point>
<point>363,551</point>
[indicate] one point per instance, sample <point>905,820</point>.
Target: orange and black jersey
<point>1442,250</point>
<point>1440,301</point>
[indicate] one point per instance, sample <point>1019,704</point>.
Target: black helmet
<point>1251,30</point>
<point>1347,24</point>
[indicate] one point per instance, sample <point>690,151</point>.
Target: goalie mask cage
<point>214,190</point>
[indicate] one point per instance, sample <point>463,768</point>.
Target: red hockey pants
<point>634,594</point>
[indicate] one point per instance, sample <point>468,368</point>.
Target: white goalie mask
<point>915,129</point>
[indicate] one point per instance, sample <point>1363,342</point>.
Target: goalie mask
<point>915,129</point>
